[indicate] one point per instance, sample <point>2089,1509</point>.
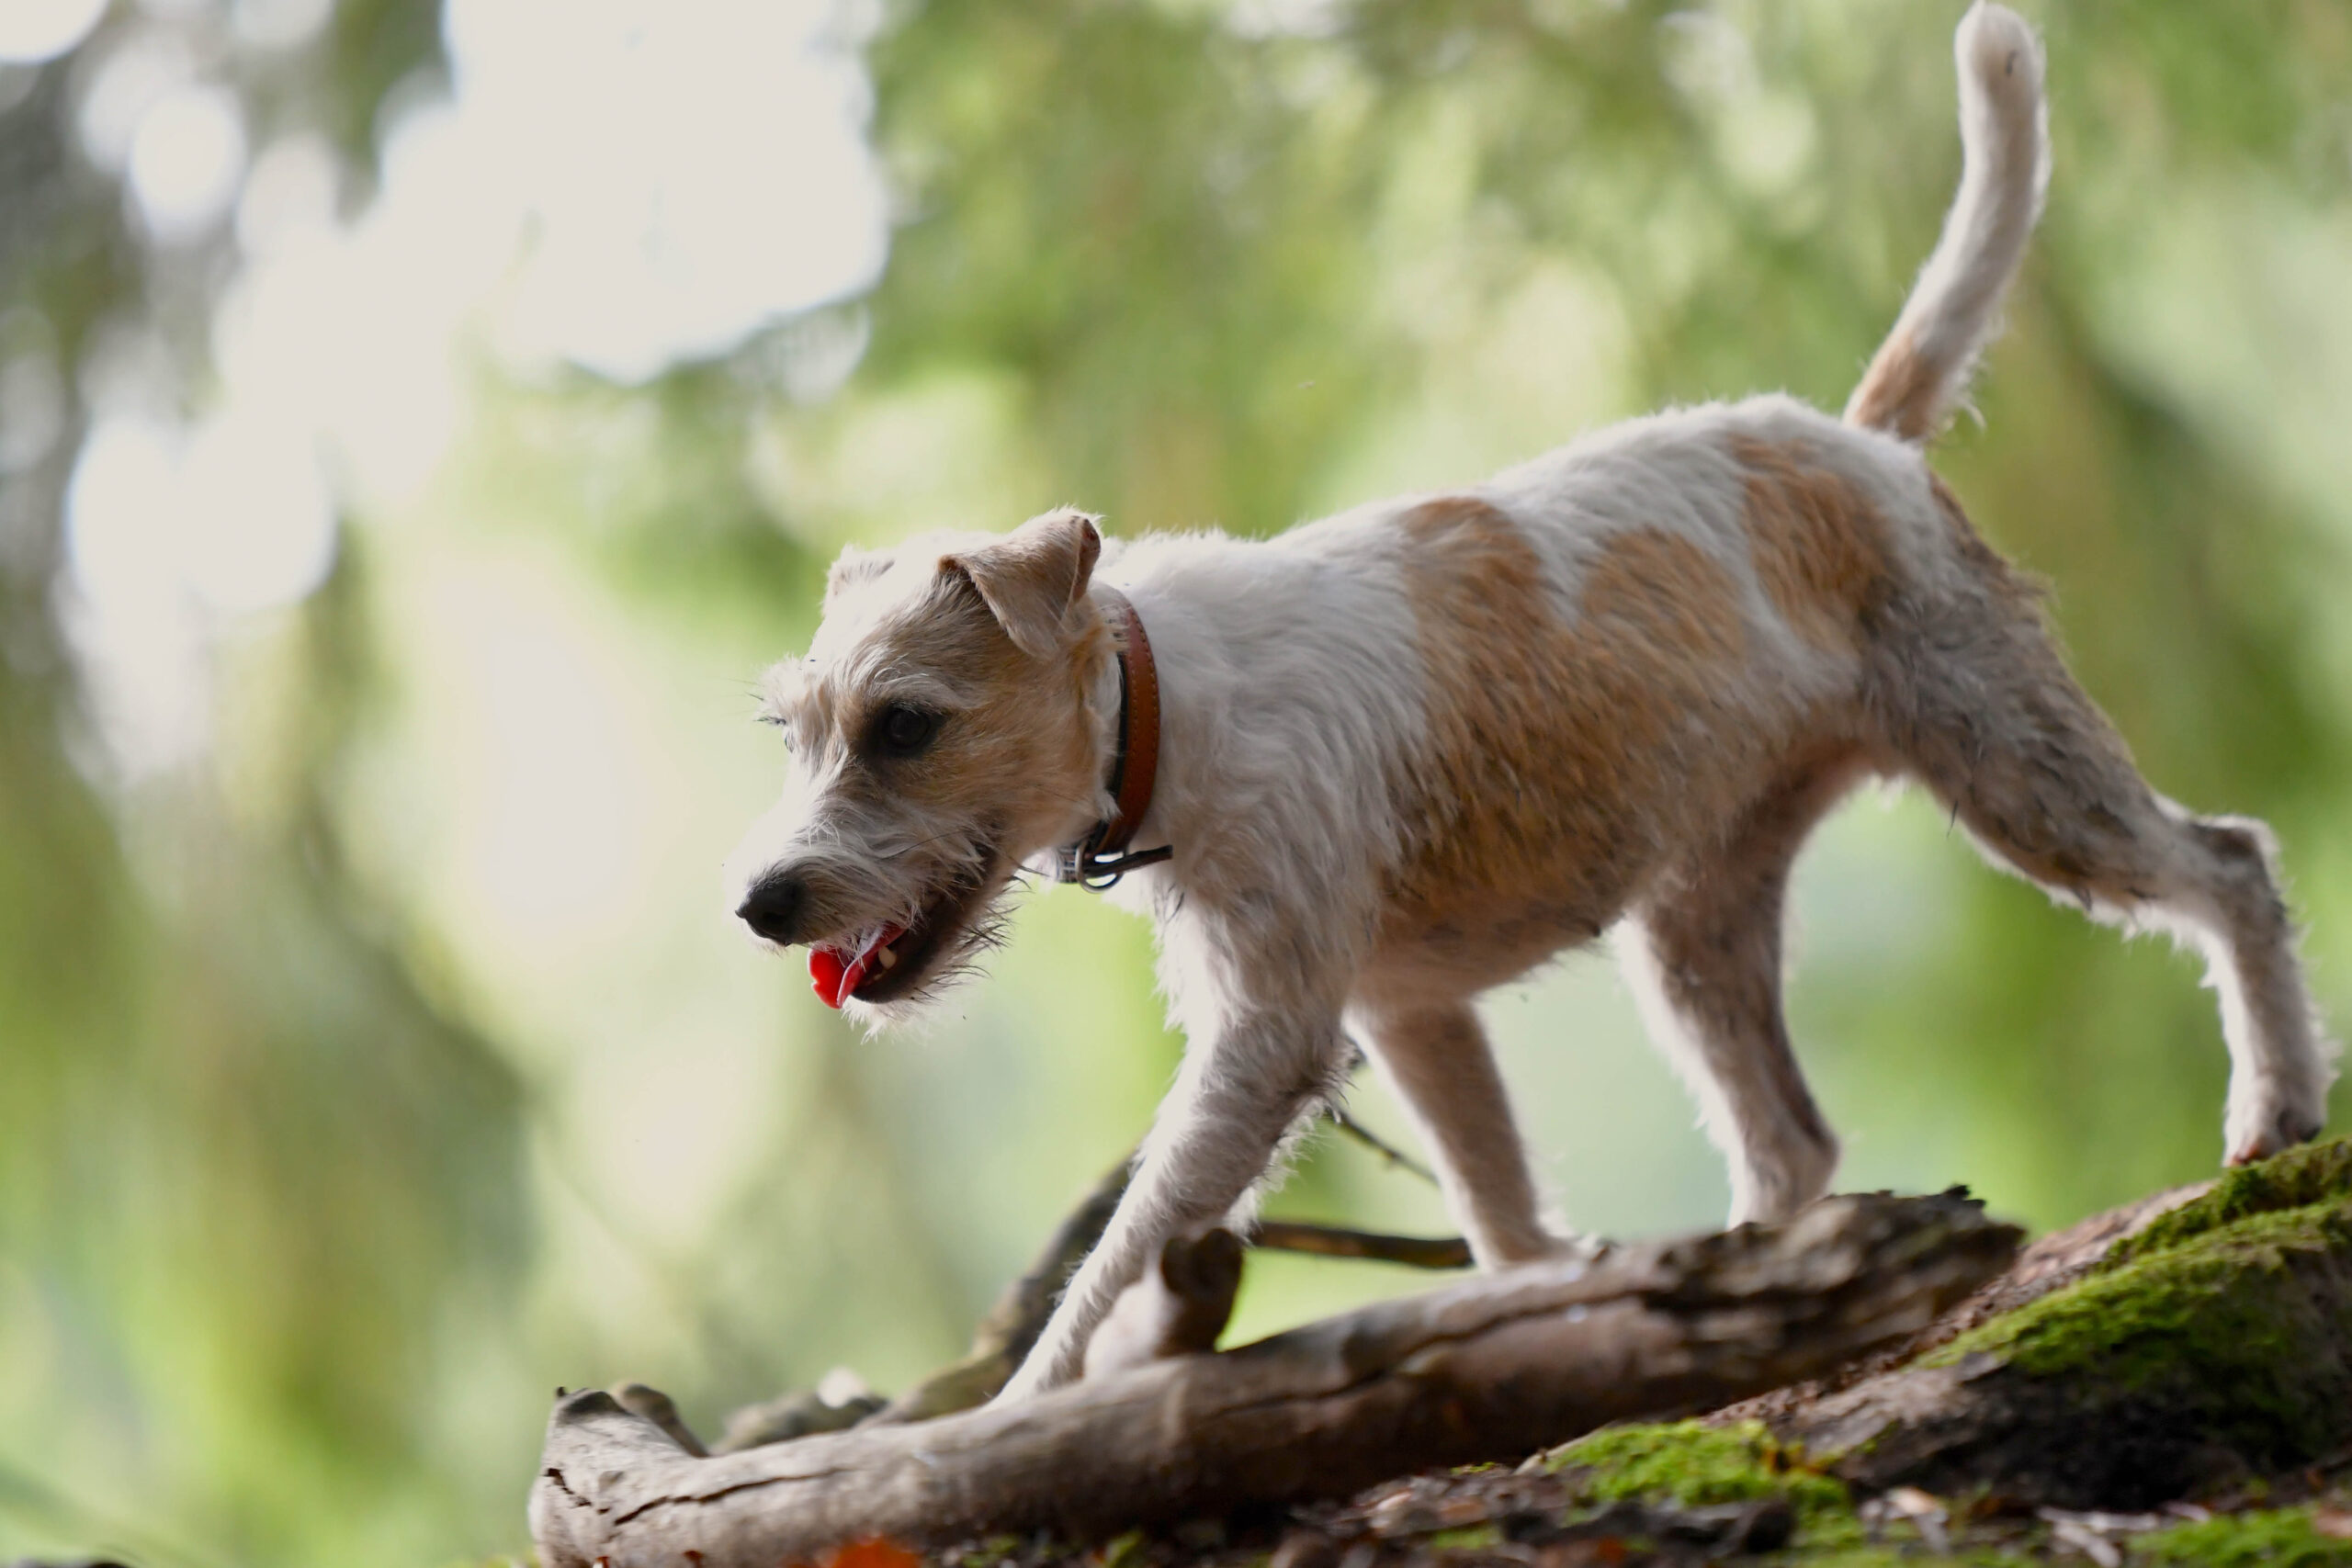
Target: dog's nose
<point>772,907</point>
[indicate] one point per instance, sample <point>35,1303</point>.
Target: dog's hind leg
<point>1437,1060</point>
<point>1703,955</point>
<point>2002,734</point>
<point>2046,788</point>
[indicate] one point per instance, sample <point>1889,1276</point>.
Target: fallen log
<point>2198,1340</point>
<point>1486,1370</point>
<point>1018,1314</point>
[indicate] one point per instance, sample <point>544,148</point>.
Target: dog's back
<point>1623,642</point>
<point>1410,751</point>
<point>1622,682</point>
<point>1622,645</point>
<point>1615,641</point>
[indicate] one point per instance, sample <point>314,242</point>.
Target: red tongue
<point>834,978</point>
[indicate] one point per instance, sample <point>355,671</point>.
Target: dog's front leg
<point>1237,1093</point>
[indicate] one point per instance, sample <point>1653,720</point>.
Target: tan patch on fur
<point>1561,755</point>
<point>1014,764</point>
<point>1022,751</point>
<point>1818,543</point>
<point>1898,392</point>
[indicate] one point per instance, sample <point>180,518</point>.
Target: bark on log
<point>2049,1263</point>
<point>1488,1370</point>
<point>1018,1314</point>
<point>2194,1341</point>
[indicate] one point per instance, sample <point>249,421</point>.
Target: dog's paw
<point>2273,1129</point>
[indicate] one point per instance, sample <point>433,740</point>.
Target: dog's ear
<point>781,687</point>
<point>1030,578</point>
<point>851,567</point>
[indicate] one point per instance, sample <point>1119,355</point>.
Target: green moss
<point>1697,1465</point>
<point>1466,1538</point>
<point>1907,1556</point>
<point>2281,1537</point>
<point>2211,1307</point>
<point>2314,1174</point>
<point>2224,1319</point>
<point>2212,1301</point>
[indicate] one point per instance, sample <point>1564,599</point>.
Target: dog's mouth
<point>887,963</point>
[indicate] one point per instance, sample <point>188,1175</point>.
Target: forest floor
<point>1684,1495</point>
<point>1688,1493</point>
<point>2170,1383</point>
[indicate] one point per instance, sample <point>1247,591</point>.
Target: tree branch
<point>1325,1241</point>
<point>1490,1368</point>
<point>1388,1152</point>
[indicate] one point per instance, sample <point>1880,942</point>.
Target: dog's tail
<point>1922,369</point>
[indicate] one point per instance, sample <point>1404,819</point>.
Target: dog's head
<point>942,733</point>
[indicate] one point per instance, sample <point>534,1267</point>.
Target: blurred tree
<point>281,1169</point>
<point>247,1166</point>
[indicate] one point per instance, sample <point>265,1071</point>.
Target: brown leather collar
<point>1101,859</point>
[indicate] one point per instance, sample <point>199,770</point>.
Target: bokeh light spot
<point>187,159</point>
<point>33,30</point>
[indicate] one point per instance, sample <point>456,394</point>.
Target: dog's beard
<point>982,926</point>
<point>915,926</point>
<point>961,958</point>
<point>913,910</point>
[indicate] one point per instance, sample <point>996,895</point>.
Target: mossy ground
<point>2317,1174</point>
<point>1696,1465</point>
<point>1689,1464</point>
<point>2232,1313</point>
<point>2241,1298</point>
<point>1692,1463</point>
<point>2231,1310</point>
<point>2160,1285</point>
<point>2270,1538</point>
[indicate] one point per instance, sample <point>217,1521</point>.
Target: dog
<point>1396,756</point>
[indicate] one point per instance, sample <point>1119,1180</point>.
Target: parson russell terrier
<point>1412,751</point>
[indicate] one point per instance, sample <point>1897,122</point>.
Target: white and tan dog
<point>1413,751</point>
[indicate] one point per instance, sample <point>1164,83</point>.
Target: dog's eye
<point>902,731</point>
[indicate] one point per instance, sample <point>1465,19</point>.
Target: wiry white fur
<point>1305,726</point>
<point>1922,373</point>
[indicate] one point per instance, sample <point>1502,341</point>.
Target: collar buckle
<point>1087,866</point>
<point>1100,859</point>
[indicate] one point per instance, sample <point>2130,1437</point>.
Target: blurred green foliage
<point>316,1175</point>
